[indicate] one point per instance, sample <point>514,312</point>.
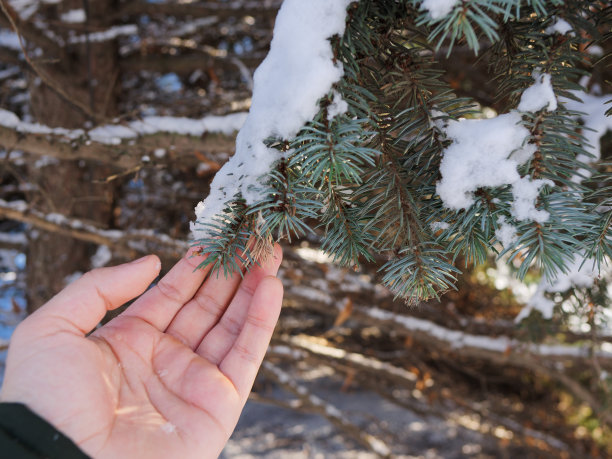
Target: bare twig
<point>32,33</point>
<point>44,76</point>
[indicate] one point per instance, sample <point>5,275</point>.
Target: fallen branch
<point>352,359</point>
<point>478,346</point>
<point>499,351</point>
<point>185,63</point>
<point>128,243</point>
<point>216,147</point>
<point>196,10</point>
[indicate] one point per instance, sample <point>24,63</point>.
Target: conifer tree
<point>400,162</point>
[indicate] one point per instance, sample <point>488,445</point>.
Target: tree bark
<point>70,187</point>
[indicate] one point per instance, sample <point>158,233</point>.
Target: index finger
<point>160,304</point>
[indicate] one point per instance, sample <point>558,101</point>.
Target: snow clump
<point>593,113</point>
<point>438,8</point>
<point>299,70</point>
<point>560,26</point>
<point>480,157</point>
<point>487,153</point>
<point>580,273</point>
<point>506,232</point>
<point>538,96</point>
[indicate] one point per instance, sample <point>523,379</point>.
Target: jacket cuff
<point>25,435</point>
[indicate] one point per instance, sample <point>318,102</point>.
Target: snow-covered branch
<point>16,241</point>
<point>129,243</point>
<point>126,146</point>
<point>510,349</point>
<point>305,346</point>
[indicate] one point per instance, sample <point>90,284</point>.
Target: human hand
<point>167,378</point>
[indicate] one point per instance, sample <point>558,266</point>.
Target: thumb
<point>83,304</point>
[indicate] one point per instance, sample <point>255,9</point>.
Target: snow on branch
<point>106,35</point>
<point>438,9</point>
<point>499,344</point>
<point>359,361</point>
<point>13,240</point>
<point>488,152</point>
<point>31,32</point>
<point>186,63</point>
<point>129,243</point>
<point>591,108</point>
<point>581,273</point>
<point>299,70</point>
<point>115,134</point>
<point>126,145</point>
<point>469,344</point>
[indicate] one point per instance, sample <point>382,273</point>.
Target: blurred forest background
<point>351,372</point>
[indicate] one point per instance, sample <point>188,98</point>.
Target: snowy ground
<point>279,433</point>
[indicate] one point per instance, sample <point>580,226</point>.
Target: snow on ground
<point>280,433</point>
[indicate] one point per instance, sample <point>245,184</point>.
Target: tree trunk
<point>69,188</point>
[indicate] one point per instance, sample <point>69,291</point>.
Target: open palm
<point>166,378</point>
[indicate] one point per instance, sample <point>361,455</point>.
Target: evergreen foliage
<point>368,177</point>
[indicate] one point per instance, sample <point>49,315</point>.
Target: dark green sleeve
<point>25,435</point>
